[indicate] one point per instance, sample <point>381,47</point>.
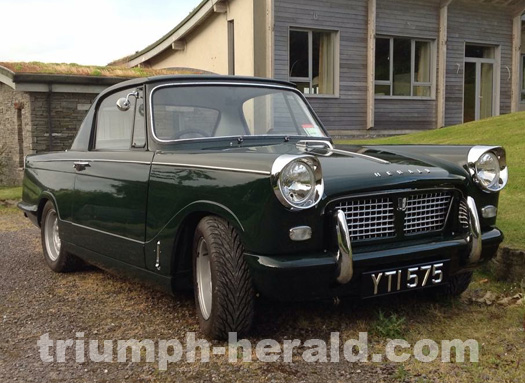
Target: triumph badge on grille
<point>402,204</point>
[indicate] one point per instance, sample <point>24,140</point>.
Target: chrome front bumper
<point>474,237</point>
<point>344,256</point>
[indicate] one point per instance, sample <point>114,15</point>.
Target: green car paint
<point>134,211</point>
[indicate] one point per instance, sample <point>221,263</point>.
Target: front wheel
<point>457,284</point>
<point>55,256</point>
<point>224,295</point>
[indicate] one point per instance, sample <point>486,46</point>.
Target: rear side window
<point>114,129</point>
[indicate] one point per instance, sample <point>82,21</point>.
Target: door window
<point>114,129</point>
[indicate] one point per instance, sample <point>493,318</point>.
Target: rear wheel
<point>224,295</point>
<point>55,256</point>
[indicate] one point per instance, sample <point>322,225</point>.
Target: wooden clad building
<point>375,67</point>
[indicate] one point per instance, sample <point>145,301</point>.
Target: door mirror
<point>123,104</point>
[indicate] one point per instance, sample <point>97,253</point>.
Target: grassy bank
<point>507,131</point>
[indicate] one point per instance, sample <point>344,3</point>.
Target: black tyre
<point>224,296</point>
<point>55,256</point>
<point>457,284</point>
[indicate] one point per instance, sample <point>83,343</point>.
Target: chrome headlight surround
<point>282,170</point>
<point>478,157</point>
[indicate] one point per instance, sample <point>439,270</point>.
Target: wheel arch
<point>190,218</point>
<point>44,197</point>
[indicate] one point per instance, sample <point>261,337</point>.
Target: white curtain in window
<point>423,68</point>
<point>326,64</point>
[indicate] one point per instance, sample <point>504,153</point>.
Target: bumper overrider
<point>343,273</point>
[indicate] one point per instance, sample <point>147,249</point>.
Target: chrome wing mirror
<point>123,104</point>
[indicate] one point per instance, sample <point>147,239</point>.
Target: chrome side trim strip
<point>474,238</point>
<point>123,161</point>
<point>360,155</point>
<point>344,257</point>
<point>104,232</point>
<point>157,260</point>
<point>98,160</point>
<point>263,172</point>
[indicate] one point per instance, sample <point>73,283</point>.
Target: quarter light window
<point>115,127</point>
<point>403,67</point>
<point>312,61</point>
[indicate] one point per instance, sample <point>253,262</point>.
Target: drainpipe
<point>49,120</point>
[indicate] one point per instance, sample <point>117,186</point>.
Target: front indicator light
<point>300,233</point>
<point>489,211</point>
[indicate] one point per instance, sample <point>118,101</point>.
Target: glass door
<point>486,90</point>
<point>479,83</point>
<point>469,93</point>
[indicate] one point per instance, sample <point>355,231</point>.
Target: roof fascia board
<point>178,34</point>
<point>59,88</point>
<point>33,82</point>
<point>66,79</point>
<point>7,80</point>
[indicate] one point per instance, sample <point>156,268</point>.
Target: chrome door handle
<point>80,165</point>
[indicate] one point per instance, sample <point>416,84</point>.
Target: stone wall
<point>25,126</point>
<point>67,112</point>
<point>15,133</point>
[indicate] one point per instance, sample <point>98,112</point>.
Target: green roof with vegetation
<point>507,131</point>
<point>90,70</point>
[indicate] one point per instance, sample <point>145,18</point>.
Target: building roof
<point>39,77</point>
<point>190,22</point>
<point>88,70</point>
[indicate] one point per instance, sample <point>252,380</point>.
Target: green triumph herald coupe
<point>232,185</point>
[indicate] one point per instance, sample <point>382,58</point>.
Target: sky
<point>92,32</point>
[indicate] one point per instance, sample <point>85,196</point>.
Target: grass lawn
<point>507,131</point>
<point>11,193</point>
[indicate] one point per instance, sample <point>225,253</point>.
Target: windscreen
<point>185,112</point>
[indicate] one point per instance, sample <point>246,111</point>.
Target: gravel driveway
<point>35,301</point>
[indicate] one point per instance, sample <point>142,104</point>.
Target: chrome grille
<point>426,212</point>
<point>369,218</point>
<point>463,214</point>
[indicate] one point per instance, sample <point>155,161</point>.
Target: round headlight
<point>488,170</point>
<point>297,181</point>
<point>488,167</point>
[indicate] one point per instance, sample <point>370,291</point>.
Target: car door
<point>111,184</point>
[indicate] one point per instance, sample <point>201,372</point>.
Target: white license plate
<point>404,278</point>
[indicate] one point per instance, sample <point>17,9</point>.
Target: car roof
<point>197,79</point>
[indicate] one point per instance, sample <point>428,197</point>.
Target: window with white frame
<point>403,67</point>
<point>312,61</point>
